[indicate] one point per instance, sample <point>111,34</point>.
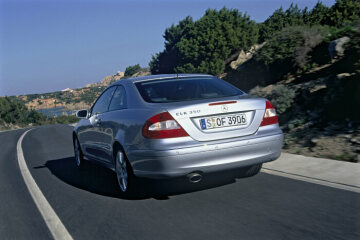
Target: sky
<point>51,45</point>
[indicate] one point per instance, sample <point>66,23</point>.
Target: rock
<point>143,72</point>
<point>245,56</point>
<point>347,136</point>
<point>317,88</point>
<point>120,74</point>
<point>355,141</point>
<point>111,78</point>
<point>343,75</point>
<point>314,140</point>
<point>336,47</point>
<point>357,158</point>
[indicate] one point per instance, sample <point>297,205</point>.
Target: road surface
<point>90,206</point>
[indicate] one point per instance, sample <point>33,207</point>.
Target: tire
<point>79,157</point>
<point>124,173</point>
<point>250,171</point>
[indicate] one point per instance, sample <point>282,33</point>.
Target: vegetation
<point>342,12</point>
<point>281,96</point>
<point>131,70</point>
<point>14,112</point>
<point>289,50</point>
<point>203,45</point>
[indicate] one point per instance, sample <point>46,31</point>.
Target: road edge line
<point>53,222</point>
<point>311,180</point>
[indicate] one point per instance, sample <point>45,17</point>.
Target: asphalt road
<point>90,205</point>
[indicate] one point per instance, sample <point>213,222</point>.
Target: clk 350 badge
<point>187,113</point>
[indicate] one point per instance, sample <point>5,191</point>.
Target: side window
<point>119,99</point>
<point>103,101</point>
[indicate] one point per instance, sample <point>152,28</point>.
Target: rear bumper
<point>205,158</point>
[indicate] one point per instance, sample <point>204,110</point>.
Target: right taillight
<point>163,125</point>
<point>270,116</point>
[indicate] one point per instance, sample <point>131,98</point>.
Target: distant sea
<point>58,111</point>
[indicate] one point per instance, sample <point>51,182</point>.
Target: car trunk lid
<point>219,119</point>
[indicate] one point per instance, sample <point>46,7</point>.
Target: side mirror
<point>82,113</point>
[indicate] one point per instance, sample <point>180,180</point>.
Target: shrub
<point>282,98</point>
<point>15,112</point>
<point>35,117</point>
<point>310,38</point>
<point>131,70</point>
<point>64,119</point>
<point>289,50</point>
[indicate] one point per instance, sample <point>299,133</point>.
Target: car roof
<point>159,76</point>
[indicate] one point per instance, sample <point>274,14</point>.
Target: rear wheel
<point>79,157</point>
<point>250,171</point>
<point>124,173</point>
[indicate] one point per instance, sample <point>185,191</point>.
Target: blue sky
<point>55,44</point>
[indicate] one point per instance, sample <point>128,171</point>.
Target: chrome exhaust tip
<point>194,177</point>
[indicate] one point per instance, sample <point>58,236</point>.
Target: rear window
<point>185,89</point>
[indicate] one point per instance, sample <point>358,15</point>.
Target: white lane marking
<point>52,221</point>
<point>311,180</point>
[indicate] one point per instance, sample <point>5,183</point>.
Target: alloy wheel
<point>77,153</point>
<point>121,171</point>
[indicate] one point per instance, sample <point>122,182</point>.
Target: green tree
<point>202,46</point>
<point>131,70</point>
<point>280,19</point>
<point>317,15</point>
<point>343,12</point>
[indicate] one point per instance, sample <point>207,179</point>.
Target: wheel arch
<point>74,136</point>
<point>118,146</point>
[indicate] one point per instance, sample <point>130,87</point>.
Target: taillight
<point>163,125</point>
<point>270,116</point>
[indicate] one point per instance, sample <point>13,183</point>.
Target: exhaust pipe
<point>194,177</point>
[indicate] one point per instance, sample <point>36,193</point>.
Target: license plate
<point>223,121</point>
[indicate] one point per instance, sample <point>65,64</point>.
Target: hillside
<point>318,106</point>
<point>66,101</point>
<point>307,62</point>
<point>14,114</point>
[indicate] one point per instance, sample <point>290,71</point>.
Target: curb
<point>343,175</point>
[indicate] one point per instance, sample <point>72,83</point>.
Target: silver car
<point>165,126</point>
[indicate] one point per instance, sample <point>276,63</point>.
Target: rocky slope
<point>73,99</point>
<point>319,108</point>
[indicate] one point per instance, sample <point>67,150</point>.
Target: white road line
<point>52,221</point>
<point>311,180</point>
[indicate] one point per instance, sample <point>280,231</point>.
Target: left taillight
<point>270,116</point>
<point>163,125</point>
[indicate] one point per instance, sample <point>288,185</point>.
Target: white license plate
<point>223,121</point>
